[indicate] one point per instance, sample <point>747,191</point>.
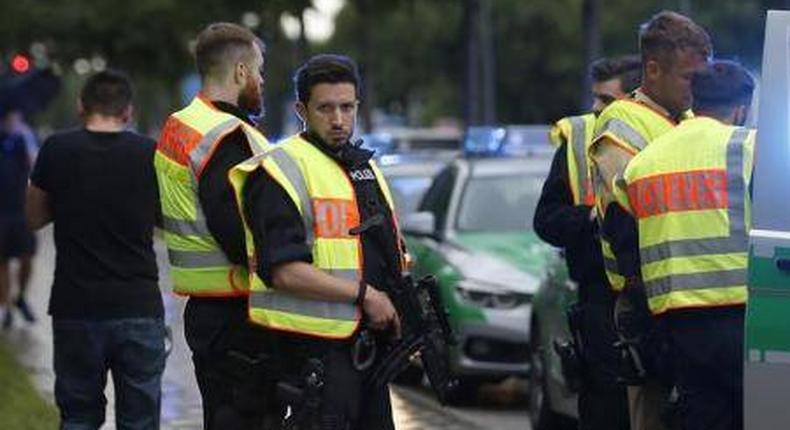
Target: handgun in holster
<point>633,325</point>
<point>672,409</point>
<point>570,351</point>
<point>303,395</point>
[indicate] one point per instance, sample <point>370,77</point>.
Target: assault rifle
<point>425,331</point>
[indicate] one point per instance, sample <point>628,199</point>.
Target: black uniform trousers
<point>707,346</point>
<point>603,403</point>
<point>233,365</point>
<point>346,404</point>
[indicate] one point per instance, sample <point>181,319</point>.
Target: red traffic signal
<point>20,63</point>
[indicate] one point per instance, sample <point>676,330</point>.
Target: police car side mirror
<point>420,224</point>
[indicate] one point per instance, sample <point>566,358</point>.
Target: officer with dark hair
<point>326,250</point>
<point>564,217</point>
<point>692,242</point>
<point>613,78</point>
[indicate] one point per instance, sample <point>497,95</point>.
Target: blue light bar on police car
<point>484,140</point>
<point>510,141</point>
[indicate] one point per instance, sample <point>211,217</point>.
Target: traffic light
<point>20,63</point>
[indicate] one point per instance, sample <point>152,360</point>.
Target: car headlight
<point>487,296</point>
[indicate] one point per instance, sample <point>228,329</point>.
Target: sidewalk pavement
<point>181,406</point>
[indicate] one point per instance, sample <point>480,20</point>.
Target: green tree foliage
<point>419,63</point>
<point>412,50</point>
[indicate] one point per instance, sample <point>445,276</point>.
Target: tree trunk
<point>488,73</point>
<point>471,102</point>
<point>591,18</point>
<point>366,15</point>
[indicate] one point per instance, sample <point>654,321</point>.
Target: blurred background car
<point>552,402</point>
<point>473,231</point>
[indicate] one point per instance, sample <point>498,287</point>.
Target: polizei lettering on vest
<point>679,192</point>
<point>365,174</point>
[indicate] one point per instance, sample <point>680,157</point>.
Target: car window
<point>407,192</point>
<point>499,203</point>
<point>437,198</point>
<point>771,174</point>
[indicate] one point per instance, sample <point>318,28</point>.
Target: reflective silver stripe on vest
<point>201,151</point>
<point>737,241</point>
<point>578,131</point>
<point>253,143</point>
<point>280,301</point>
<point>696,281</point>
<point>625,132</point>
<point>610,264</point>
<point>691,247</point>
<point>294,175</point>
<point>197,259</point>
<point>736,185</point>
<point>185,228</point>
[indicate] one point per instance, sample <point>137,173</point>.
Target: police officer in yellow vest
<point>326,246</point>
<point>203,230</point>
<point>673,48</point>
<point>688,191</point>
<point>564,217</point>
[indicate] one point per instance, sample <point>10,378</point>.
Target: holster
<point>673,409</point>
<point>635,329</point>
<point>571,351</point>
<point>253,379</point>
<point>303,395</point>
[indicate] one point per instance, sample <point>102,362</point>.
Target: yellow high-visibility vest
<point>631,126</point>
<point>577,132</point>
<point>322,192</point>
<point>188,140</point>
<point>689,193</point>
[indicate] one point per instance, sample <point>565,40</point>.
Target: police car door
<point>767,352</point>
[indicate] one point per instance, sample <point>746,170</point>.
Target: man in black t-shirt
<point>97,185</point>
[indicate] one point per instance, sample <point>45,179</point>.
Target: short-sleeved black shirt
<point>103,193</point>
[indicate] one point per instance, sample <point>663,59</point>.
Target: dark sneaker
<point>8,320</point>
<point>25,310</point>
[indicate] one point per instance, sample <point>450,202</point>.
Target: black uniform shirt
<point>622,232</point>
<point>279,232</point>
<point>561,223</point>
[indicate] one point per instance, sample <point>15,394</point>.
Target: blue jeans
<point>132,349</point>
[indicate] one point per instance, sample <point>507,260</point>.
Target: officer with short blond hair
<point>205,238</point>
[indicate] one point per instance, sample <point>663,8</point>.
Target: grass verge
<point>21,407</point>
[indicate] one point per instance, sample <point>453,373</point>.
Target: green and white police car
<point>473,231</point>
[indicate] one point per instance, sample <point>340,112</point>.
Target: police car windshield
<point>499,203</point>
<point>407,192</point>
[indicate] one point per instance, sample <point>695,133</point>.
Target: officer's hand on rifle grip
<point>380,311</point>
